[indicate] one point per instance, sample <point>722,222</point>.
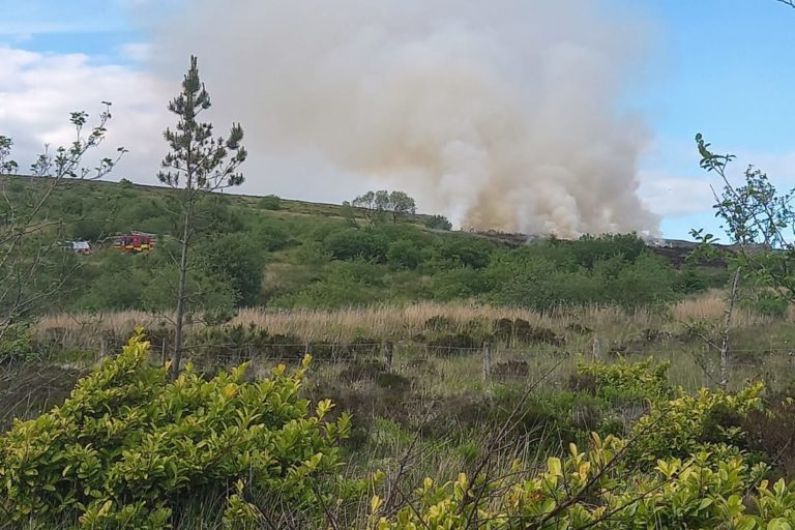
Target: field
<point>460,369</point>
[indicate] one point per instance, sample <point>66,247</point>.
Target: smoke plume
<point>502,114</point>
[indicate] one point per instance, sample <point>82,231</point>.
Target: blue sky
<point>722,67</point>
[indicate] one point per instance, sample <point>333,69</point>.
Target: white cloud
<point>38,91</point>
<point>136,51</point>
<point>670,195</point>
<point>669,192</point>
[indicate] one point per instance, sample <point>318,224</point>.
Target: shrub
<point>404,254</point>
<point>466,252</point>
<point>587,490</point>
<point>17,344</point>
<point>624,381</point>
<point>271,235</point>
<point>353,244</point>
<point>453,344</point>
<point>689,423</point>
<point>361,370</point>
<point>528,334</point>
<point>459,283</point>
<point>270,202</point>
<point>240,261</point>
<point>589,250</point>
<point>509,369</point>
<point>129,447</point>
<point>438,222</point>
<point>767,304</point>
<point>88,229</point>
<point>438,323</point>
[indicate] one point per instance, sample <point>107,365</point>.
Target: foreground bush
<point>681,466</point>
<point>129,448</point>
<point>596,489</point>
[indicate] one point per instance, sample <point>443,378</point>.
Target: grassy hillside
<point>266,251</point>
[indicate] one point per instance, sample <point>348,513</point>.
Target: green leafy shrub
<point>690,423</point>
<point>240,261</point>
<point>271,235</point>
<point>353,244</point>
<point>129,447</point>
<point>624,381</point>
<point>17,344</point>
<point>466,252</point>
<point>404,254</point>
<point>589,490</point>
<point>662,476</point>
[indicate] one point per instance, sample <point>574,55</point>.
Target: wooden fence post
<point>387,351</point>
<point>103,345</point>
<point>596,349</point>
<point>486,361</point>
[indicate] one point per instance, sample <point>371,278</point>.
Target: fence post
<point>163,359</point>
<point>387,351</point>
<point>596,349</point>
<point>103,345</point>
<point>486,361</point>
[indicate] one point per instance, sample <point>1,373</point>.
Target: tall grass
<point>390,322</point>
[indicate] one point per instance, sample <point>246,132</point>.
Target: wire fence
<point>473,359</point>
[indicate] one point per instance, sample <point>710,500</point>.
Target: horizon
<point>694,67</point>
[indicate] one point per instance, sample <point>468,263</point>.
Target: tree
<point>33,267</point>
<point>377,203</point>
<point>760,223</point>
<point>401,204</point>
<point>196,164</point>
<point>238,259</point>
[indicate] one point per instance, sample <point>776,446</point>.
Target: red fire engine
<point>135,242</point>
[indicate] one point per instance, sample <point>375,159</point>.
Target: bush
<point>438,222</point>
<point>271,235</point>
<point>270,202</point>
<point>466,252</point>
<point>624,381</point>
<point>239,260</point>
<point>88,229</point>
<point>404,254</point>
<point>585,490</point>
<point>454,344</point>
<point>17,345</point>
<point>354,244</point>
<point>528,334</point>
<point>129,448</point>
<point>687,424</point>
<point>459,284</point>
<point>769,305</point>
<point>590,250</point>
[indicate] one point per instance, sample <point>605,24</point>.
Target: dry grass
<point>615,329</point>
<point>403,322</point>
<point>389,322</point>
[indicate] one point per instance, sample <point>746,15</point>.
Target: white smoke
<point>502,114</point>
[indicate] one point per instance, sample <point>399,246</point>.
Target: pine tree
<point>197,163</point>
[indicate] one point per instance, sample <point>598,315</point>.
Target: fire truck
<point>135,242</point>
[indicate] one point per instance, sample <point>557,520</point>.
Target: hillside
<point>255,251</point>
